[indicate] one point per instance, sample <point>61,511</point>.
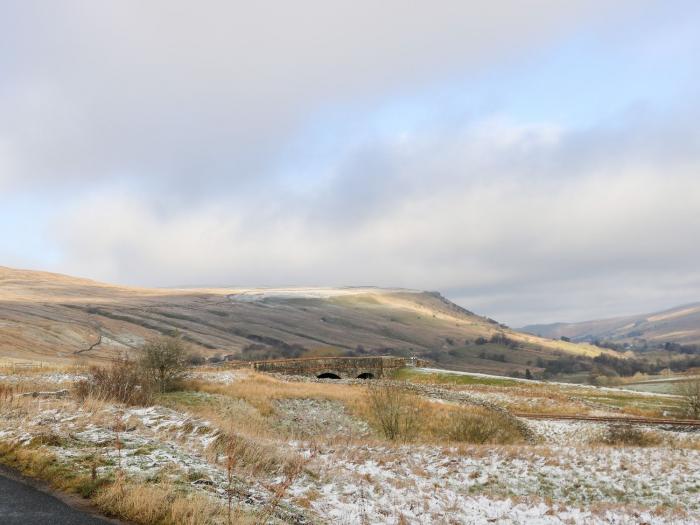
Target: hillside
<point>678,325</point>
<point>51,317</point>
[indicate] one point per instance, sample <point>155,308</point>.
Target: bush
<point>690,395</point>
<point>133,382</point>
<point>163,361</point>
<point>395,411</point>
<point>483,427</point>
<point>124,381</point>
<point>195,359</point>
<point>624,434</point>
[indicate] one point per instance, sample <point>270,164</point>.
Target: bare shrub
<point>123,381</point>
<point>624,434</point>
<point>160,368</point>
<point>195,359</point>
<point>396,412</point>
<point>164,361</point>
<point>483,426</point>
<point>690,395</point>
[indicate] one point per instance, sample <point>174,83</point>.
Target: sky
<point>534,161</point>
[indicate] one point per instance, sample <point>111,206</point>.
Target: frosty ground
<point>347,473</point>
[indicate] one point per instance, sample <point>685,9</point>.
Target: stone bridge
<point>338,367</point>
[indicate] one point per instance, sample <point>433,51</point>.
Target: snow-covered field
<point>144,444</point>
<point>568,482</point>
<point>41,378</point>
<point>352,478</point>
<point>552,485</point>
<point>568,386</point>
<point>221,378</point>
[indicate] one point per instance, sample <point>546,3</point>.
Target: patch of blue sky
<point>23,220</point>
<point>586,79</point>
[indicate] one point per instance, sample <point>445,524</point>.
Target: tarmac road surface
<point>22,504</point>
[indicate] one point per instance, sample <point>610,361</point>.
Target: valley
<point>679,325</point>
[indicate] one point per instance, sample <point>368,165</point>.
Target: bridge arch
<point>328,375</point>
<point>366,375</point>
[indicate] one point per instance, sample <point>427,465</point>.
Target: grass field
<point>292,450</point>
<point>550,397</point>
<point>659,385</point>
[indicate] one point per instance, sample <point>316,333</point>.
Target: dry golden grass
<point>17,407</point>
<point>149,503</point>
<point>261,391</point>
<point>34,461</point>
<point>245,413</point>
<point>33,368</point>
<point>555,398</point>
<point>253,457</point>
<point>124,381</point>
<point>161,504</point>
<point>8,397</point>
<point>435,422</point>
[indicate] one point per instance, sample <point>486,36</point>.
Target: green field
<point>666,385</point>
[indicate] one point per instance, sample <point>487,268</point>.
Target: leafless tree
<point>396,411</point>
<point>690,394</point>
<point>164,360</point>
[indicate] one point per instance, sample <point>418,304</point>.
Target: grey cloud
<point>190,98</point>
<point>500,230</point>
<point>164,123</point>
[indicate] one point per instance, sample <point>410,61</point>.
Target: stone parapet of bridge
<point>338,367</point>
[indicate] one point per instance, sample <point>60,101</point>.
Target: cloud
<point>190,99</point>
<point>170,143</point>
<point>498,215</point>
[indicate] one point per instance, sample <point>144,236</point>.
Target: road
<point>22,504</point>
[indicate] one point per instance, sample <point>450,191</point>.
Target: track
<point>22,503</point>
<point>611,419</point>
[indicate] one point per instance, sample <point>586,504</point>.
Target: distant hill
<point>45,316</point>
<point>677,325</point>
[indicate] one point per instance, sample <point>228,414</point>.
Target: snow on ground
<point>225,377</point>
<point>311,418</point>
<point>566,479</point>
<point>524,398</point>
<point>260,294</point>
<point>52,378</point>
<point>567,432</point>
<point>381,484</point>
<point>430,485</point>
<point>587,433</point>
<point>571,386</point>
<point>154,443</point>
<point>667,380</point>
<point>141,432</point>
